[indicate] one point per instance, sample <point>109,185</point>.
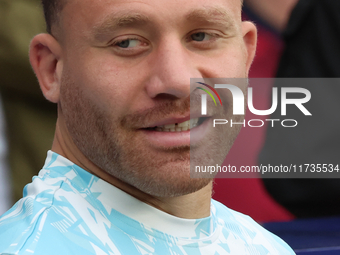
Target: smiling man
<point>117,180</point>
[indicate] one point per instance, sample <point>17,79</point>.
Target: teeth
<point>169,126</point>
<point>178,127</point>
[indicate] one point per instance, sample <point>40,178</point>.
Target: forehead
<point>88,14</point>
<point>235,5</point>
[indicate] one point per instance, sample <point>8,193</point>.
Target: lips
<point>171,135</point>
<point>178,125</point>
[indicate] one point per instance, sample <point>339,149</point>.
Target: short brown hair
<point>52,9</point>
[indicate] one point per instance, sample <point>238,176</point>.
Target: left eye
<point>200,36</point>
<point>128,43</point>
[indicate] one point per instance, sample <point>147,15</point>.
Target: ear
<point>249,32</point>
<point>45,57</point>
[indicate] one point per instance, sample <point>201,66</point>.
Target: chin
<point>171,179</point>
<point>176,188</point>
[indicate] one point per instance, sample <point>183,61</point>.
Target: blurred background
<point>27,119</point>
<point>297,39</point>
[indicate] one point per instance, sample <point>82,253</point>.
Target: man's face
<point>126,70</point>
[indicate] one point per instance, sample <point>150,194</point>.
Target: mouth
<point>176,132</point>
<point>179,127</point>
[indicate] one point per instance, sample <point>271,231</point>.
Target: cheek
<point>230,63</point>
<point>233,65</point>
<point>105,86</point>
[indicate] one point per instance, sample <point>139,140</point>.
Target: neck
<point>191,206</point>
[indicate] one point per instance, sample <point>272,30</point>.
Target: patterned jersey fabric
<point>68,211</point>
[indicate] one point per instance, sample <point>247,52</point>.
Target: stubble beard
<point>119,152</point>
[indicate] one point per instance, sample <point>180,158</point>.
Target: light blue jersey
<point>68,211</point>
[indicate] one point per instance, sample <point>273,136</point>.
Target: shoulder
<point>31,227</point>
<point>246,229</point>
<point>39,221</point>
<point>22,226</point>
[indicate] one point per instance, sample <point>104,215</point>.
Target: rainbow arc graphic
<point>208,92</point>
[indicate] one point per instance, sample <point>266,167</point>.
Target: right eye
<point>127,43</point>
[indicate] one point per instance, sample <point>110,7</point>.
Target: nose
<point>172,67</point>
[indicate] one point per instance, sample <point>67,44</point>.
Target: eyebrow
<point>115,21</point>
<point>211,15</point>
